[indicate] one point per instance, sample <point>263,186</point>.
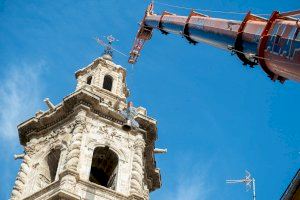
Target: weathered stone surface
<point>85,120</point>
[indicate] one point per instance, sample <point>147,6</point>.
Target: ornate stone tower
<point>86,147</point>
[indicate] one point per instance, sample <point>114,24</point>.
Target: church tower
<point>92,146</point>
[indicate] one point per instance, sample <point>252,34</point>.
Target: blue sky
<point>216,117</point>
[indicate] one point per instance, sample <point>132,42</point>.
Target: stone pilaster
<point>69,176</point>
<point>75,143</point>
<point>137,174</point>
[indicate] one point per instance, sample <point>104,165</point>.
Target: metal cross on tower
<point>108,47</point>
<point>247,180</point>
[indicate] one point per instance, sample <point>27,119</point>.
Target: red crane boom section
<point>272,43</point>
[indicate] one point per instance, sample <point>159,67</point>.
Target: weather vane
<point>247,180</point>
<point>108,46</point>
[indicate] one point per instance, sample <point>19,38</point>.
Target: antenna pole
<point>253,189</point>
<point>247,181</point>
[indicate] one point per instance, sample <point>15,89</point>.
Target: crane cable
<point>206,10</point>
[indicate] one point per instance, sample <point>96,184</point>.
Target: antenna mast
<point>247,181</point>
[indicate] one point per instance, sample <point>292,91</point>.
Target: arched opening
<point>89,80</point>
<point>49,166</point>
<point>104,167</point>
<point>107,83</point>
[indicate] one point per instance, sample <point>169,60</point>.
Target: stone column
<point>75,143</point>
<point>70,174</point>
<point>137,173</point>
<point>21,178</point>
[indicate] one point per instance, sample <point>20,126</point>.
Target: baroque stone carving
<point>74,146</point>
<point>137,174</point>
<point>21,179</point>
<point>104,128</point>
<point>110,132</point>
<point>98,125</point>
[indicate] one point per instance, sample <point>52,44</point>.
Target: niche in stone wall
<point>49,166</point>
<point>104,167</point>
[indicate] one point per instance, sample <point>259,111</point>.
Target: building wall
<point>77,139</point>
<point>98,73</point>
<point>87,119</point>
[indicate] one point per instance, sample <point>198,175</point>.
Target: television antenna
<point>248,181</point>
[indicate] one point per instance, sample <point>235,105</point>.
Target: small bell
<point>129,114</point>
<point>127,126</point>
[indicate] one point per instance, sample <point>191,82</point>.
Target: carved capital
<point>139,144</point>
<point>80,125</point>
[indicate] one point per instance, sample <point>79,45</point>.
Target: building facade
<point>85,148</point>
<point>292,192</point>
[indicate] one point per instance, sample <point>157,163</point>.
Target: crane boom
<point>272,43</point>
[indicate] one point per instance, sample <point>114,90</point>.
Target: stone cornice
<point>95,89</point>
<point>54,192</point>
<point>53,187</point>
<point>62,194</point>
<point>81,98</point>
<point>104,63</point>
<point>102,189</point>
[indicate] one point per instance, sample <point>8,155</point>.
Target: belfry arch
<point>104,167</point>
<point>108,82</point>
<point>49,165</point>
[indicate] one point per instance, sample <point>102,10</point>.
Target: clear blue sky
<point>216,117</point>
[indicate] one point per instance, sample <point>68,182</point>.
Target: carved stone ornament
<point>137,167</point>
<point>86,119</point>
<point>139,144</point>
<point>75,144</point>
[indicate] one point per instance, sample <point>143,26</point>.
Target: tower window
<point>104,167</point>
<point>89,80</point>
<point>52,160</point>
<point>107,83</point>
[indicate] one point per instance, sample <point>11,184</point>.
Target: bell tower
<point>92,146</point>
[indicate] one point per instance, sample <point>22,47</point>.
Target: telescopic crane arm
<point>272,43</point>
